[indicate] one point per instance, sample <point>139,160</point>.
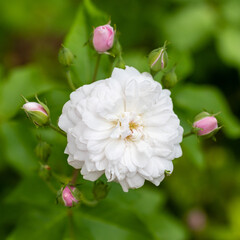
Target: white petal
<point>95,122</point>
<point>75,163</point>
<point>135,182</point>
<point>115,149</point>
<point>92,176</point>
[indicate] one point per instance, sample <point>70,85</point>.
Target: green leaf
<point>137,59</point>
<point>190,27</point>
<point>31,191</point>
<point>44,223</point>
<point>18,147</point>
<point>230,11</point>
<point>192,148</point>
<point>101,229</point>
<point>195,99</point>
<point>87,18</point>
<point>26,81</point>
<point>165,227</point>
<point>107,214</point>
<point>228,46</point>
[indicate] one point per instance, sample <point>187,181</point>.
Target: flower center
<point>129,126</point>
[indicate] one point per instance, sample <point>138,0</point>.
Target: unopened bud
<point>169,79</point>
<point>100,190</point>
<point>158,59</point>
<point>43,151</point>
<point>45,171</point>
<point>65,57</point>
<point>70,196</point>
<point>37,112</point>
<point>205,124</point>
<point>103,38</point>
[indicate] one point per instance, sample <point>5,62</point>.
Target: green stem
<point>69,79</point>
<point>57,130</point>
<point>188,134</point>
<point>96,68</point>
<point>74,176</point>
<point>90,203</point>
<point>71,224</point>
<point>50,186</point>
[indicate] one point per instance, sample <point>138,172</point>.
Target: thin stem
<point>90,203</point>
<point>74,176</point>
<point>96,68</point>
<point>51,187</point>
<point>69,79</point>
<point>188,134</point>
<point>57,130</point>
<point>71,224</point>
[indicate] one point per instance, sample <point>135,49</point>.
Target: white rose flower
<point>123,127</point>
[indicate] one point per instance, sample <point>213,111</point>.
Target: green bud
<point>100,190</point>
<point>65,57</point>
<point>158,59</point>
<point>169,79</point>
<point>45,171</point>
<point>43,151</point>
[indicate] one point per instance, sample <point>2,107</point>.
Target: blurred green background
<point>201,200</point>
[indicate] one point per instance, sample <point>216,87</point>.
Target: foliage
<point>204,46</point>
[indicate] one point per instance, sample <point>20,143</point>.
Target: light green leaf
<point>228,46</point>
<point>195,99</point>
<point>192,148</point>
<point>165,227</point>
<point>189,27</point>
<point>26,81</point>
<point>87,18</point>
<point>230,10</point>
<point>18,147</point>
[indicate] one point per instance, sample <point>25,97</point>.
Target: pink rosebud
<point>205,124</point>
<point>37,112</point>
<point>67,196</point>
<point>33,106</point>
<point>103,38</point>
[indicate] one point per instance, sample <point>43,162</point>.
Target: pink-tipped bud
<point>38,112</point>
<point>68,196</point>
<point>103,38</point>
<point>158,58</point>
<point>205,124</point>
<point>33,106</point>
